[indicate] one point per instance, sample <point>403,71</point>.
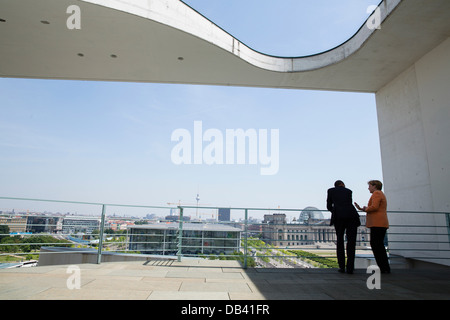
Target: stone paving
<point>199,279</point>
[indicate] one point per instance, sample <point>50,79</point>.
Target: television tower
<point>198,199</point>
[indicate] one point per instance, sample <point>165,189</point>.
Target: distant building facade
<point>277,232</point>
<point>44,224</point>
<point>162,238</point>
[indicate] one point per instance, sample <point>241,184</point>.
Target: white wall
<point>414,125</point>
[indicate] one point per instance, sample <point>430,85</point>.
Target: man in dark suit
<point>346,221</point>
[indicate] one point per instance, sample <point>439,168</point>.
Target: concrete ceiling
<point>165,41</point>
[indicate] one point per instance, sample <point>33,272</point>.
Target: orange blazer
<point>376,211</point>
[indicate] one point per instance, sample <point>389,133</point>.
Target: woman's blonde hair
<point>376,183</point>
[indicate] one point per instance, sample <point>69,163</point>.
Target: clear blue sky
<point>111,142</point>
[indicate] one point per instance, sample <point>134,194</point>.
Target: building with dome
<point>311,215</point>
<point>313,229</point>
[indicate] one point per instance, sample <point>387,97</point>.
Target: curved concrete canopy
<point>166,41</point>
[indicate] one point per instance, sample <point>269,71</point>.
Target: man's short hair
<point>339,183</point>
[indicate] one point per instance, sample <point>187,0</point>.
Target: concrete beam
<point>166,41</point>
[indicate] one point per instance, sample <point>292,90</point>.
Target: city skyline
<point>205,213</point>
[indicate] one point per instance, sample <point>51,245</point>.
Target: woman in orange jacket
<point>377,221</point>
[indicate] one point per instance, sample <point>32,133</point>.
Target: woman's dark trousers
<point>377,235</point>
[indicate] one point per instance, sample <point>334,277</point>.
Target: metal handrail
<point>178,238</point>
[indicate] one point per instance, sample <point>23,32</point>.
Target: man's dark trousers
<point>349,228</point>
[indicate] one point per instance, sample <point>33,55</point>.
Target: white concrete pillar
<point>414,126</point>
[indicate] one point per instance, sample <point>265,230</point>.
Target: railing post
<point>245,239</point>
<point>447,218</point>
<point>180,234</point>
<point>100,241</point>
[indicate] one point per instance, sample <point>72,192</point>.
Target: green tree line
<point>329,263</point>
<point>10,244</point>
